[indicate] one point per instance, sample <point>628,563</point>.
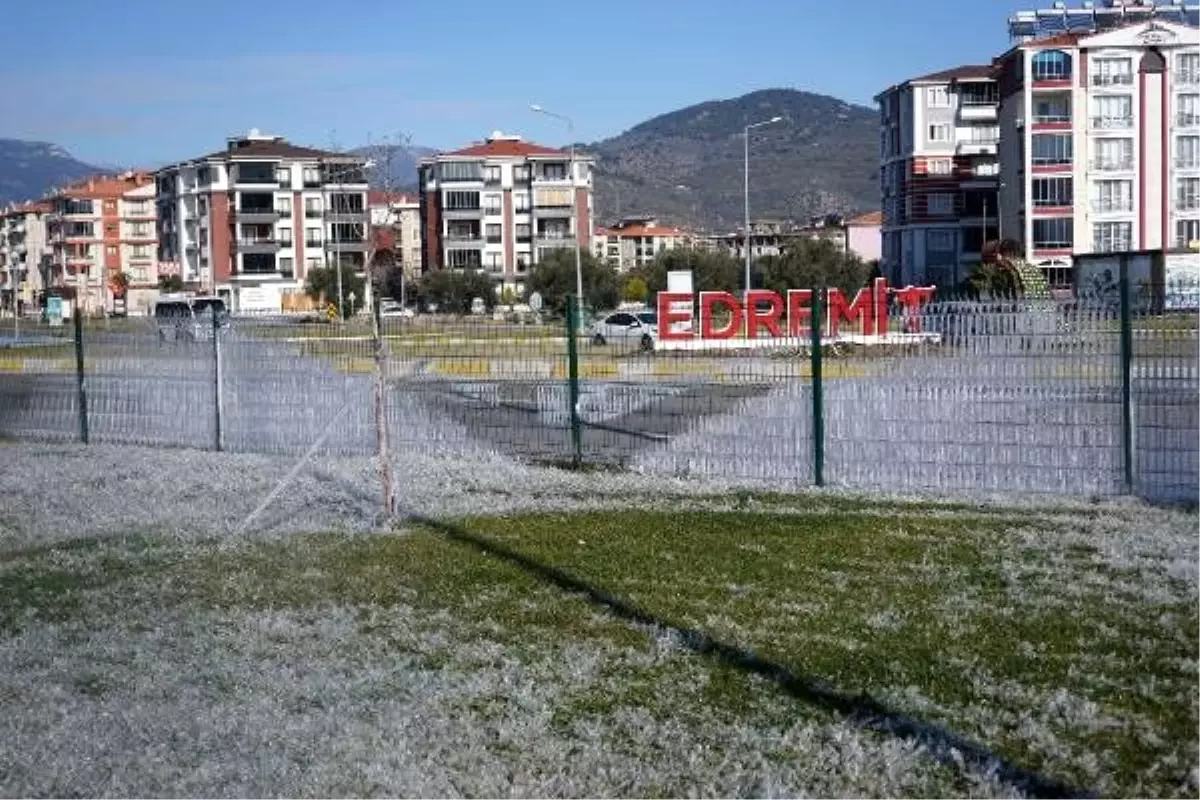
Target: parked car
<point>623,326</point>
<point>392,309</point>
<point>188,318</point>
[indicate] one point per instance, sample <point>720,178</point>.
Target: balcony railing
<point>1052,118</point>
<point>1112,206</point>
<point>1111,123</point>
<point>313,213</point>
<point>259,244</point>
<point>1056,161</point>
<point>1123,79</point>
<point>260,213</point>
<point>1186,119</point>
<point>1112,164</point>
<point>464,237</point>
<point>313,243</point>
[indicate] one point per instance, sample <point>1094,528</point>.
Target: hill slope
<point>395,165</point>
<point>686,166</point>
<point>30,169</point>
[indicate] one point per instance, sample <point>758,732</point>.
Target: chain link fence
<point>1067,396</point>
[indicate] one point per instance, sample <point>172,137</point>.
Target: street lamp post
<point>578,255</point>
<point>746,190</point>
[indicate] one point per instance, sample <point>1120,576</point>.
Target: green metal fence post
<point>79,375</point>
<point>218,378</point>
<point>573,380</point>
<point>1127,444</point>
<point>818,400</point>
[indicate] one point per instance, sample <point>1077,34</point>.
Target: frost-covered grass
<point>578,635</point>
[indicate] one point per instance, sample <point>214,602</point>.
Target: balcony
<point>263,214</point>
<point>463,240</point>
<point>977,147</point>
<point>1056,117</point>
<point>1112,164</point>
<point>462,213</point>
<point>313,244</point>
<point>345,246</point>
<point>347,215</point>
<point>1102,81</point>
<point>1187,162</point>
<point>1112,123</point>
<point>1122,206</point>
<point>546,211</point>
<point>313,213</point>
<point>1186,119</point>
<point>258,245</point>
<point>978,111</point>
<point>554,239</point>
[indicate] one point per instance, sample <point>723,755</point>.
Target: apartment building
<point>24,256</point>
<point>248,222</point>
<point>99,228</point>
<point>501,205</point>
<point>858,235</point>
<point>635,241</point>
<point>1100,138</point>
<point>1092,17</point>
<point>396,226</point>
<point>939,174</point>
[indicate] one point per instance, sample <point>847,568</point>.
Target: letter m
<point>863,308</point>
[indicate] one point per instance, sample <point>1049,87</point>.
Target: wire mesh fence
<point>1064,396</point>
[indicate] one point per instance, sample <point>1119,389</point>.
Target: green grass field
<point>609,653</point>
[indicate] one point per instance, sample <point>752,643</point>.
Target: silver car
<point>627,326</point>
<point>189,318</point>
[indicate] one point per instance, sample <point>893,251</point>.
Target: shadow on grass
<point>861,709</point>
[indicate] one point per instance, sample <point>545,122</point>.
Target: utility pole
<point>578,233</point>
<point>746,192</point>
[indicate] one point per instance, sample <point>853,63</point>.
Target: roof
<point>504,148</point>
<point>377,197</point>
<point>102,186</point>
<point>274,148</point>
<point>18,209</point>
<point>641,230</point>
<point>866,220</point>
<point>966,72</point>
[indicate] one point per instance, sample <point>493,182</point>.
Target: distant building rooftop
<point>1091,17</point>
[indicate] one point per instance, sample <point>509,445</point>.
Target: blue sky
<point>142,82</point>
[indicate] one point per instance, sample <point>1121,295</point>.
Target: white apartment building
<point>24,256</point>
<point>635,241</point>
<point>500,205</point>
<point>1100,142</point>
<point>396,225</point>
<point>248,222</point>
<point>939,139</point>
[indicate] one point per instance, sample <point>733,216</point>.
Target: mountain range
<point>685,167</point>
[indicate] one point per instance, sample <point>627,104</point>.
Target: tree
<point>118,282</point>
<point>553,277</point>
<point>170,283</point>
<point>391,283</point>
<point>454,291</point>
<point>635,290</point>
<point>990,279</point>
<point>508,296</point>
<point>322,283</point>
<point>811,264</point>
<point>712,271</point>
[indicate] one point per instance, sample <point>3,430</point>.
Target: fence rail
<point>1078,397</point>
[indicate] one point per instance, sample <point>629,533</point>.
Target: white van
<point>188,318</point>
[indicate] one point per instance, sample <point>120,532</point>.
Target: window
<point>312,176</point>
<point>461,171</point>
<point>464,259</point>
<point>1052,109</point>
<point>140,251</point>
<point>312,207</point>
<point>462,201</point>
<point>521,173</point>
<point>1051,148</point>
<point>284,206</point>
<point>202,206</point>
<point>1051,65</point>
<point>940,166</point>
<point>985,168</point>
<point>111,250</point>
<point>284,176</point>
<point>493,234</point>
<point>491,174</point>
<point>1187,194</point>
<point>978,94</point>
<point>1054,234</point>
<point>1187,152</point>
<point>1187,232</point>
<point>287,266</point>
<point>1112,72</point>
<point>1110,196</point>
<point>1188,115</point>
<point>1187,68</point>
<point>523,232</point>
<point>554,172</point>
<point>1113,154</point>
<point>494,262</point>
<point>983,134</point>
<point>204,176</point>
<point>285,236</point>
<point>941,204</point>
<point>1052,192</point>
<point>941,241</point>
<point>937,97</point>
<point>552,198</point>
<point>1112,237</point>
<point>522,262</point>
<point>939,133</point>
<point>521,202</point>
<point>1114,111</point>
<point>312,237</point>
<point>311,263</point>
<point>491,204</point>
